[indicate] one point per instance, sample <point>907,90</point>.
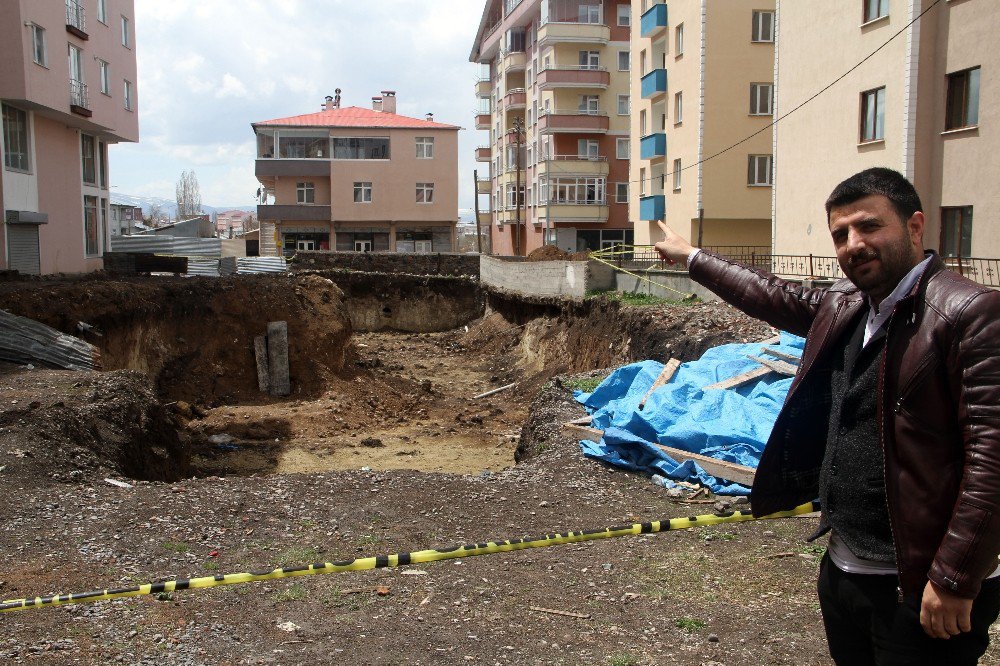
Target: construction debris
<point>25,341</point>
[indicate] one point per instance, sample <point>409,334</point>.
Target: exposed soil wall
<point>390,262</point>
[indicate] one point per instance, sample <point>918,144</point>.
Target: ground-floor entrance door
<point>305,246</point>
<point>22,248</point>
<point>362,246</point>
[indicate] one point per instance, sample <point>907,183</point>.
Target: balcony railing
<point>654,84</point>
<point>573,121</point>
<point>654,20</point>
<point>653,146</point>
<point>484,154</point>
<point>652,207</point>
<point>76,19</point>
<point>516,98</point>
<point>574,77</point>
<point>79,98</point>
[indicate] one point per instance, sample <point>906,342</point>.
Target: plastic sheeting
<point>727,424</point>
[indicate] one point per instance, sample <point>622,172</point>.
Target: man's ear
<point>915,227</point>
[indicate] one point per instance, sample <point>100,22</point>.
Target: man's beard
<point>894,262</point>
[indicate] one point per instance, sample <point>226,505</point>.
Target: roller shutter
<point>22,244</point>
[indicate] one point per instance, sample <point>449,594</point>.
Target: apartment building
<point>927,104</point>
<point>703,82</point>
<point>357,179</point>
<point>67,91</point>
<point>555,99</point>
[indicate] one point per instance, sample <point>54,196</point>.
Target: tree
<point>155,214</point>
<point>188,196</point>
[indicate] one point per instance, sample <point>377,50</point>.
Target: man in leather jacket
<point>893,421</point>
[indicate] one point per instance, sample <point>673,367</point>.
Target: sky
<point>210,68</point>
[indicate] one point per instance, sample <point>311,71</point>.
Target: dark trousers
<point>866,624</point>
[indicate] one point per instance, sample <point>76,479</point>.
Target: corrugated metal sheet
<point>261,265</point>
<point>203,267</point>
<point>26,341</point>
<point>172,245</point>
<point>198,247</point>
<point>227,266</point>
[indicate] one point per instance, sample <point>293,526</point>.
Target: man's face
<point>875,248</point>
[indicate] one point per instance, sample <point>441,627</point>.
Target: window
<point>583,191</point>
<point>362,192</point>
<point>624,105</point>
<point>105,76</point>
<point>642,63</point>
<point>360,148</point>
<point>763,27</point>
<point>102,11</point>
<point>15,139</point>
<point>622,148</point>
<point>127,95</point>
<point>75,65</point>
<point>679,39</point>
<point>873,115</point>
<point>88,154</point>
<point>589,14</point>
<point>102,164</point>
<point>642,182</point>
<point>624,61</point>
<point>875,9</point>
<point>91,231</point>
<point>509,197</point>
<point>425,193</point>
<point>425,147</point>
<point>590,60</point>
<point>956,231</point>
<point>761,96</point>
<point>642,123</point>
<point>305,193</point>
<point>677,174</point>
<point>759,170</point>
<point>126,42</point>
<point>963,99</point>
<point>587,149</point>
<point>38,51</point>
<point>589,104</point>
<point>621,192</point>
<point>624,15</point>
<point>678,108</point>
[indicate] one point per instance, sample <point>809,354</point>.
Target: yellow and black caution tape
<point>603,256</point>
<point>399,559</point>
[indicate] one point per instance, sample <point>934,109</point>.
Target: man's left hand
<point>943,614</point>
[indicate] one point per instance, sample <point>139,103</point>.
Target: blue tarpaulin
<point>728,424</point>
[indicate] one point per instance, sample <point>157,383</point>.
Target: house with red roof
<point>357,179</point>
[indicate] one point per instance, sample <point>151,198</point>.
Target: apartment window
<point>360,148</point>
<point>624,15</point>
<point>362,192</point>
<point>509,198</point>
<point>589,14</point>
<point>127,95</point>
<point>642,182</point>
<point>678,108</point>
<point>15,139</point>
<point>425,193</point>
<point>642,63</point>
<point>91,229</point>
<point>963,99</point>
<point>622,148</point>
<point>305,193</point>
<point>642,123</point>
<point>584,191</point>
<point>956,231</point>
<point>759,170</point>
<point>624,105</point>
<point>75,64</point>
<point>624,61</point>
<point>105,76</point>
<point>763,27</point>
<point>126,42</point>
<point>873,115</point>
<point>587,149</point>
<point>761,97</point>
<point>875,9</point>
<point>677,174</point>
<point>102,11</point>
<point>679,39</point>
<point>590,60</point>
<point>425,147</point>
<point>621,193</point>
<point>589,104</point>
<point>38,51</point>
<point>102,164</point>
<point>88,154</point>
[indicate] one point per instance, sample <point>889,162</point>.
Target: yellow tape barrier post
<point>399,559</point>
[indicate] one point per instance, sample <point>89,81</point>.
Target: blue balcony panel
<point>653,146</point>
<point>654,20</point>
<point>654,84</point>
<point>652,208</point>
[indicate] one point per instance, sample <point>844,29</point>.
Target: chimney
<point>377,103</point>
<point>332,102</point>
<point>430,117</point>
<point>389,101</point>
<point>328,104</point>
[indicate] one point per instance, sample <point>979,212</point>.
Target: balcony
<point>516,98</point>
<point>654,84</point>
<point>576,165</point>
<point>576,33</point>
<point>554,122</point>
<point>654,21</point>
<point>653,147</point>
<point>293,213</point>
<point>513,61</point>
<point>483,121</point>
<point>484,88</point>
<point>574,77</point>
<point>76,20</point>
<point>484,154</point>
<point>569,213</point>
<point>79,99</point>
<point>270,167</point>
<point>652,207</point>
<point>484,186</point>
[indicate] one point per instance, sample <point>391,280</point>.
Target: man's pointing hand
<point>673,248</point>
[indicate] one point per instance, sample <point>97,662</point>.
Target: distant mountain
<point>168,207</point>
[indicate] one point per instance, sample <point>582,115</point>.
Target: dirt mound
<point>553,253</point>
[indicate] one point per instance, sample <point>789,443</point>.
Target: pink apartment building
<point>67,91</point>
<point>357,179</point>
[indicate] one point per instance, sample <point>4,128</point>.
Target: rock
<point>712,638</point>
<point>372,443</point>
<point>221,438</point>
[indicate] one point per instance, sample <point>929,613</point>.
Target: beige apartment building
<point>67,91</point>
<point>927,105</point>
<point>555,99</point>
<point>357,179</point>
<point>703,80</point>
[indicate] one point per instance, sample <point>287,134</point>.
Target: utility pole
<point>479,231</point>
<point>518,128</point>
<point>701,224</point>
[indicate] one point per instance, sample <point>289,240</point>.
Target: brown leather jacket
<point>938,406</point>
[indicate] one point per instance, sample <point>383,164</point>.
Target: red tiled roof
<point>354,116</point>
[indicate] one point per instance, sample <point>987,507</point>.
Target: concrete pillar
<point>277,358</point>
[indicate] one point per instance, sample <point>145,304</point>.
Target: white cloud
<point>231,87</point>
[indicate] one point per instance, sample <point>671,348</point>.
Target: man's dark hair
<point>890,184</point>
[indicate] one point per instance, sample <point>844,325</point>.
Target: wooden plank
<point>773,340</point>
<point>277,358</point>
<point>791,358</point>
<point>583,420</point>
<point>497,390</point>
<point>260,355</point>
<point>583,432</point>
<point>781,367</point>
<point>740,379</point>
<point>669,370</point>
